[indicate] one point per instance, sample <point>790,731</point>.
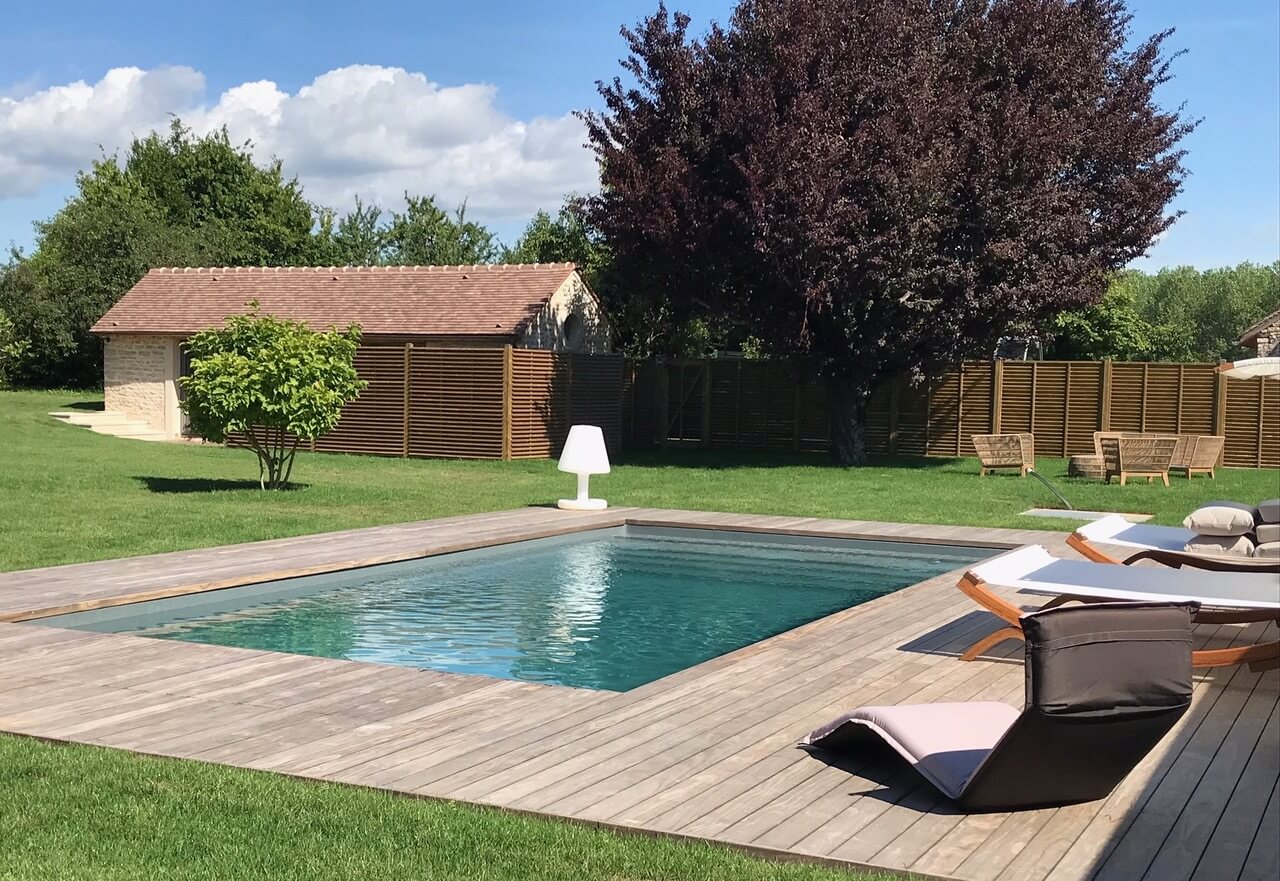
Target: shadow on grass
<point>724,459</point>
<point>84,405</point>
<point>205,485</point>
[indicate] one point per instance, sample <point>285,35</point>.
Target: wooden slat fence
<point>497,403</point>
<point>763,404</point>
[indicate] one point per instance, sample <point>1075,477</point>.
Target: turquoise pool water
<point>611,609</point>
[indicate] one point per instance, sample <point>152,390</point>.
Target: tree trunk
<point>848,407</point>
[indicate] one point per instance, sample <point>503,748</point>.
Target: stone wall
<point>1269,340</point>
<point>570,322</point>
<point>136,374</point>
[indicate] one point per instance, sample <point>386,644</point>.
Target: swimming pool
<point>606,609</point>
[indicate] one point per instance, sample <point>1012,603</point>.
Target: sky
<point>474,101</point>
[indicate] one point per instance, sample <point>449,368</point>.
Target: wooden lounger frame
<point>1263,656</point>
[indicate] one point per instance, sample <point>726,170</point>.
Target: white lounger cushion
<point>944,742</point>
<point>1268,551</point>
<point>1221,545</point>
<point>1220,518</point>
<point>1114,529</point>
<point>1035,570</point>
<point>1267,533</point>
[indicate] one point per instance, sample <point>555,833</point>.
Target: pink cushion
<point>945,742</point>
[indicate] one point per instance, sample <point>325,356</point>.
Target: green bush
<point>274,381</point>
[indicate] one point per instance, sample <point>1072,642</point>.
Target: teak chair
<point>1198,454</point>
<point>1148,457</point>
<point>1231,598</point>
<point>999,451</point>
<point>1104,684</point>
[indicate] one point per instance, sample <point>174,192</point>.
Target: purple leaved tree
<point>871,187</point>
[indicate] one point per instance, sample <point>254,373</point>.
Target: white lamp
<point>584,454</point>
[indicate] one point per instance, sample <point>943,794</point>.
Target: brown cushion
<point>1267,533</point>
<point>1220,518</point>
<point>1268,551</point>
<point>1221,545</point>
<point>1269,511</point>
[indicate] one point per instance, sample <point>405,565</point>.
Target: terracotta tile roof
<point>1251,333</point>
<point>400,300</point>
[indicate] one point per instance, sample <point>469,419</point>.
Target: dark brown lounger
<point>1104,684</point>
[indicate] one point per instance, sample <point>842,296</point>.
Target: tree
<point>1111,329</point>
<point>879,186</point>
<point>565,238</point>
<point>13,350</point>
<point>173,200</point>
<point>1181,314</point>
<point>274,381</point>
<point>424,235</point>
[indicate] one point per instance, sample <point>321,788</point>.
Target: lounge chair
<point>1160,544</point>
<point>1148,456</point>
<point>1233,597</point>
<point>1104,685</point>
<point>996,451</point>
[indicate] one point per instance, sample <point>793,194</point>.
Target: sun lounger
<point>1161,544</point>
<point>1237,596</point>
<point>1104,685</point>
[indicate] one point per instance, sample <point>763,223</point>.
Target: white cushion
<point>1269,511</point>
<point>1221,545</point>
<point>1268,551</point>
<point>1220,518</point>
<point>1266,533</point>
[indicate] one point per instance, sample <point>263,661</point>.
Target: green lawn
<point>66,495</point>
<point>69,495</point>
<point>75,812</point>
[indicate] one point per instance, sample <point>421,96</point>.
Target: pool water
<point>610,609</point>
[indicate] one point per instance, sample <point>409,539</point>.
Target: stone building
<point>1264,336</point>
<point>536,306</point>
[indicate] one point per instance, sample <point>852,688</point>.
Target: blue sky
<point>500,80</point>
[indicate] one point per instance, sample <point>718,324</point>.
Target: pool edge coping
<point>610,518</point>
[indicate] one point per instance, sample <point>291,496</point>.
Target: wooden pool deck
<point>706,753</point>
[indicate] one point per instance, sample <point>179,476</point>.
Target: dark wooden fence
<point>762,404</point>
<point>499,403</point>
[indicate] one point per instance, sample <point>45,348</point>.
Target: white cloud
<point>361,130</point>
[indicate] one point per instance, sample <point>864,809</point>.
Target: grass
<point>68,495</point>
<point>76,812</point>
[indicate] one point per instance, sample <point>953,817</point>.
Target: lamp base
<point>582,504</point>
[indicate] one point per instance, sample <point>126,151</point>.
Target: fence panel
<point>761,404</point>
<point>375,421</point>
<point>456,403</point>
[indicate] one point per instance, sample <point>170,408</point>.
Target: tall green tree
<point>1175,314</point>
<point>171,200</point>
<point>882,186</point>
<point>423,234</point>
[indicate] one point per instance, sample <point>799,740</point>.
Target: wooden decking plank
<point>1263,862</point>
<point>1236,825</point>
<point>1176,858</point>
<point>1128,818</point>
